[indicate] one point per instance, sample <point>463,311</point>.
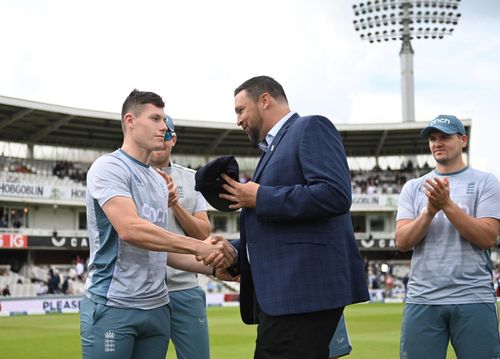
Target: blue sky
<point>194,53</point>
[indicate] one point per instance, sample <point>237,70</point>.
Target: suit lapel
<point>262,155</point>
<point>267,155</point>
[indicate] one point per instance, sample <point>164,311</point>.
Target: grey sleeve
<point>488,204</point>
<point>108,178</point>
<point>406,199</point>
<point>201,203</point>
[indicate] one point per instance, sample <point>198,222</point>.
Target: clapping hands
<point>438,194</point>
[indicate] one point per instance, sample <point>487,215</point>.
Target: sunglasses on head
<point>169,135</point>
<point>170,128</point>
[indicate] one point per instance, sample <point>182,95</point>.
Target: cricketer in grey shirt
<point>446,268</point>
<point>122,275</point>
<point>193,202</point>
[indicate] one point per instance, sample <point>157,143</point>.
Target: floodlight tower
<point>405,20</point>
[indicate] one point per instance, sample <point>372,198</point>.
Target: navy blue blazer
<point>300,240</point>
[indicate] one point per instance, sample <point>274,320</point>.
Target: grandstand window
<point>13,217</point>
<point>82,220</point>
<point>358,223</point>
<point>377,223</point>
<point>3,218</point>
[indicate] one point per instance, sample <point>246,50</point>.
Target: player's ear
<point>128,120</point>
<point>464,139</point>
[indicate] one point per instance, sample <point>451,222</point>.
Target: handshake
<point>217,252</point>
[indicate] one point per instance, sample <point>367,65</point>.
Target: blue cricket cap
<point>170,130</point>
<point>210,183</point>
<point>170,123</point>
<point>448,124</point>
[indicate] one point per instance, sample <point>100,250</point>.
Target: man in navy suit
<point>298,258</point>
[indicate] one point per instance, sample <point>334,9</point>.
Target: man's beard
<point>443,161</point>
<point>253,135</point>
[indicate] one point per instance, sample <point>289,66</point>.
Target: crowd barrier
<point>71,304</point>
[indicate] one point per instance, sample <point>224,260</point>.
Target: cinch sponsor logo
<point>155,215</point>
<point>463,207</point>
<point>440,120</point>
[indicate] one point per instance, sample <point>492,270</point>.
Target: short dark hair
<point>134,101</point>
<point>258,85</point>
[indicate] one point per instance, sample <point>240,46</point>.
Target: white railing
<point>45,232</point>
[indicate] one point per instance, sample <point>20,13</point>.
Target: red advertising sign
<point>13,241</point>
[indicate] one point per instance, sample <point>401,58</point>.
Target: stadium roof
<point>38,123</point>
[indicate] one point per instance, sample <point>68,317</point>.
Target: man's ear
<point>128,120</point>
<point>174,140</point>
<point>464,141</point>
<point>265,100</point>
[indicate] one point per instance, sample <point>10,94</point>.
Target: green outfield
<point>373,328</point>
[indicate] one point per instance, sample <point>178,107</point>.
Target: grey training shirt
<point>193,202</point>
<point>446,268</point>
<point>120,274</point>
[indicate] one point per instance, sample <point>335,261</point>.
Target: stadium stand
<point>45,151</point>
